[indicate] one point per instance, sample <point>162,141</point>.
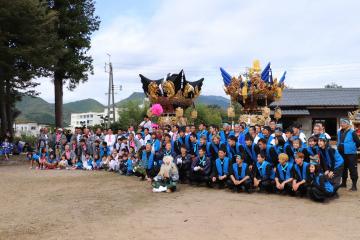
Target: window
<point>91,116</point>
<point>33,128</point>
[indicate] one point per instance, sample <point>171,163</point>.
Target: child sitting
<point>167,176</point>
<point>87,162</point>
<point>239,176</point>
<point>284,174</point>
<point>63,163</point>
<point>51,162</point>
<point>114,163</point>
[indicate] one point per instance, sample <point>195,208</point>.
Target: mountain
<point>38,110</point>
<point>203,99</point>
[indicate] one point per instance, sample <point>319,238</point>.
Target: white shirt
<point>110,140</point>
<point>147,138</point>
<point>147,125</point>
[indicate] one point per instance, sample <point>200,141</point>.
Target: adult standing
<point>110,139</point>
<point>347,143</point>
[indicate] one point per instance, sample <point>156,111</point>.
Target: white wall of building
<point>29,129</point>
<point>90,118</point>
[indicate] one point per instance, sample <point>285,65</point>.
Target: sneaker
<point>155,190</point>
<point>162,188</point>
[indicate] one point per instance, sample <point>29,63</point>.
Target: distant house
<point>91,118</point>
<point>312,105</point>
<point>28,128</point>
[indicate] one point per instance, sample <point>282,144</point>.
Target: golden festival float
<point>255,90</point>
<point>171,96</point>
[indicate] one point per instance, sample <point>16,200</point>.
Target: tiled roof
<point>319,97</point>
<point>293,112</point>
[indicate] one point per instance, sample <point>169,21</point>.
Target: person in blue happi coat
<point>264,175</point>
<point>240,179</point>
<point>220,172</point>
<point>284,175</point>
<point>331,161</point>
<point>320,187</point>
<point>301,175</point>
<point>200,168</point>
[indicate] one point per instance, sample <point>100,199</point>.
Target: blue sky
<point>317,42</point>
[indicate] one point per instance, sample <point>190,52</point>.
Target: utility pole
<point>110,119</point>
<point>111,94</point>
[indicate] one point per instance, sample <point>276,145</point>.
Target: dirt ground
<point>54,204</point>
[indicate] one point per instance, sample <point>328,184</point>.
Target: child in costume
<point>167,177</point>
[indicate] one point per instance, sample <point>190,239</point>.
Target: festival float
<point>255,90</point>
<point>171,96</point>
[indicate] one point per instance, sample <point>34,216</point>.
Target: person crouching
<point>239,176</point>
<point>167,177</point>
<point>284,175</point>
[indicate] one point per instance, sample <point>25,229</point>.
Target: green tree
<point>130,113</point>
<point>77,21</point>
<point>332,85</point>
<point>209,115</point>
<point>26,51</point>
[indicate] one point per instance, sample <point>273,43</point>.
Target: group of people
<point>241,158</point>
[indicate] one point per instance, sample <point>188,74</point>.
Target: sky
<point>316,42</point>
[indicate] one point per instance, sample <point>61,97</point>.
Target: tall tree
<point>27,51</point>
<point>77,21</point>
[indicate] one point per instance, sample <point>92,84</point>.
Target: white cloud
<point>308,38</point>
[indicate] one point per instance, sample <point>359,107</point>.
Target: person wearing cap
<point>200,168</point>
<point>332,163</point>
<point>301,175</point>
<point>240,179</point>
<point>264,174</point>
<point>320,188</point>
<point>347,144</point>
<point>146,124</point>
<point>220,170</point>
<point>284,175</point>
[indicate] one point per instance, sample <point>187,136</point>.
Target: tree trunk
<point>9,110</point>
<point>2,109</point>
<point>58,83</point>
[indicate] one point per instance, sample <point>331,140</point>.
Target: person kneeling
<point>239,176</point>
<point>284,174</point>
<point>167,177</point>
<point>200,168</point>
<point>221,169</point>
<point>264,175</point>
<point>321,187</point>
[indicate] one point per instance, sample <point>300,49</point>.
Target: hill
<point>203,99</point>
<point>38,110</point>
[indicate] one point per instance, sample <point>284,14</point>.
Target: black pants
<point>184,173</point>
<point>318,195</point>
<point>287,189</point>
<point>199,177</point>
<point>267,185</point>
<point>219,183</point>
<point>350,163</point>
<point>336,179</point>
<point>244,186</point>
<point>303,189</point>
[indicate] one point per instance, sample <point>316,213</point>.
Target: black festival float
<point>175,94</point>
<point>255,90</point>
